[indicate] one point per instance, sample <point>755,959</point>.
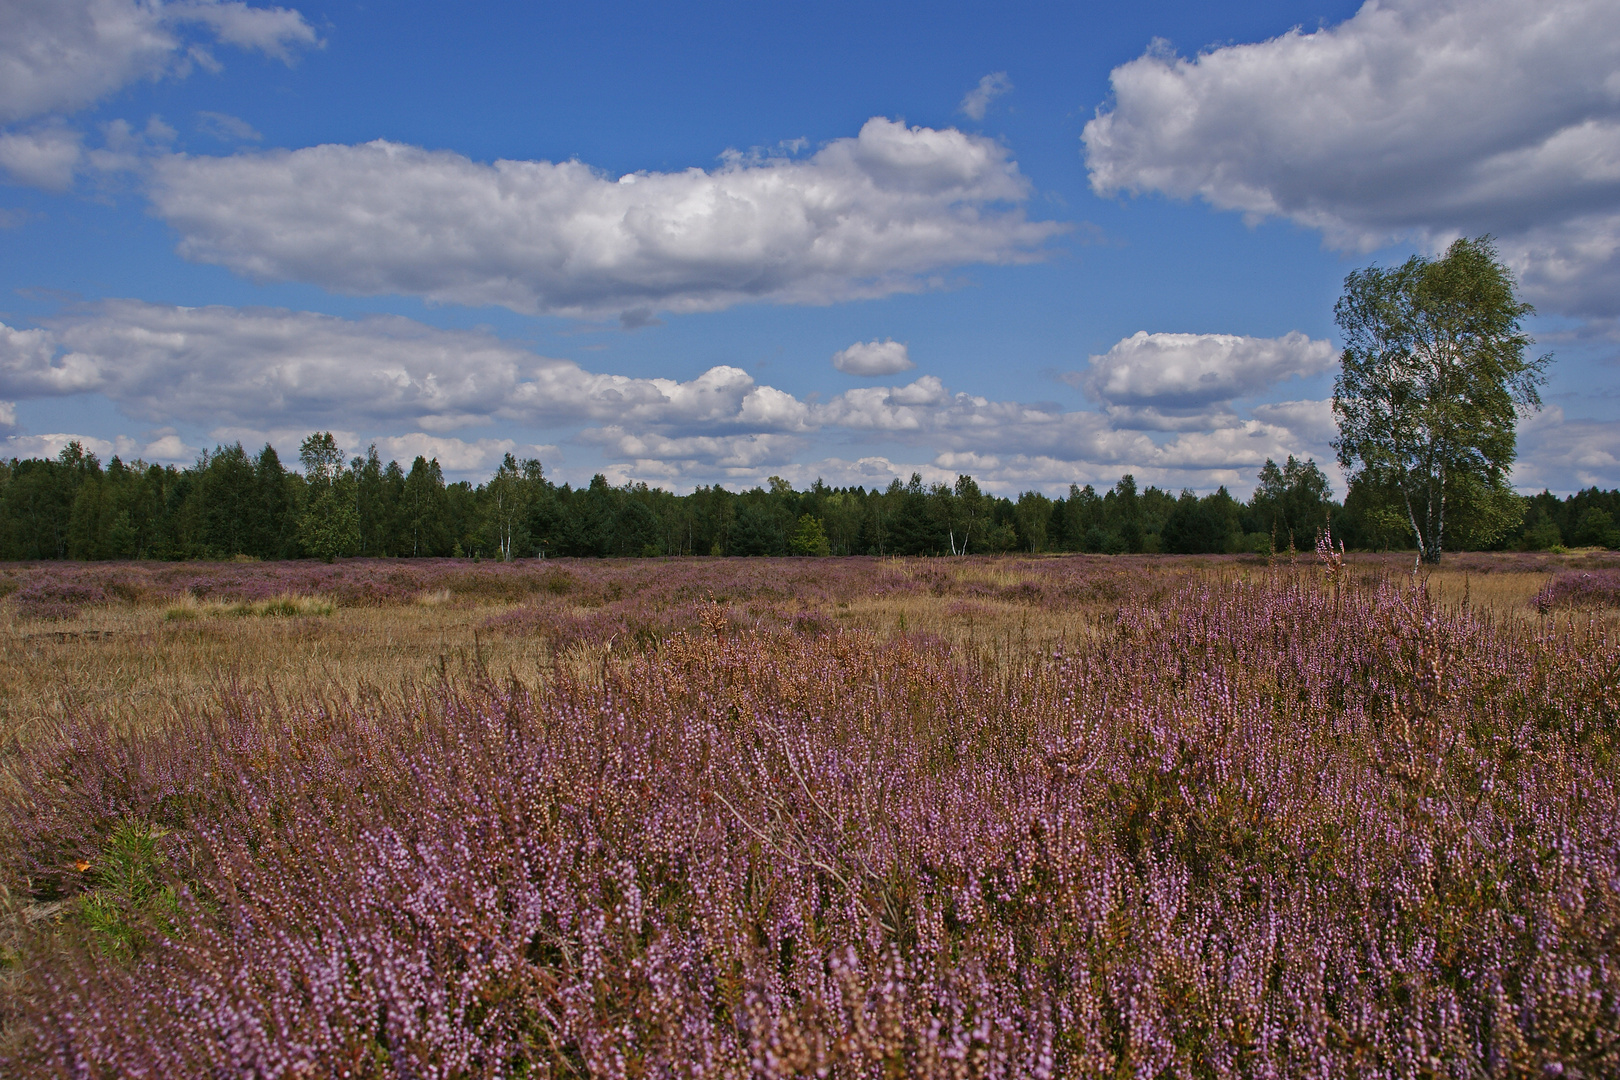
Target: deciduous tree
<point>1433,378</point>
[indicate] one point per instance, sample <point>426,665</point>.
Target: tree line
<point>234,504</point>
<point>1433,378</point>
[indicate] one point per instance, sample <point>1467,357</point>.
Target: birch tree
<point>1432,381</point>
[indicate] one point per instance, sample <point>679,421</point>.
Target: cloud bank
<point>1420,119</point>
<point>58,56</point>
<point>1184,381</point>
<point>868,216</point>
<point>263,366</point>
<point>467,397</point>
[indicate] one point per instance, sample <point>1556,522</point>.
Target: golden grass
<point>287,605</point>
<point>139,664</point>
<point>1505,595</point>
<point>135,665</point>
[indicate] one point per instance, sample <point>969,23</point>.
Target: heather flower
<point>1245,828</point>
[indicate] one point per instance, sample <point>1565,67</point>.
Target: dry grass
<point>1505,595</point>
<point>140,663</point>
<point>287,605</point>
<point>135,664</point>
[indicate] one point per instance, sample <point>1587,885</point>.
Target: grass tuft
<point>286,605</point>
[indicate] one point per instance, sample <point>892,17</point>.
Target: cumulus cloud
<point>265,374</point>
<point>45,158</point>
<point>31,367</point>
<point>1566,454</point>
<point>1184,381</point>
<point>224,365</point>
<point>272,31</point>
<point>57,56</point>
<point>1421,119</point>
<point>869,358</point>
<point>1311,422</point>
<point>48,446</point>
<point>170,447</point>
<point>696,453</point>
<point>456,455</point>
<point>165,449</point>
<point>925,412</point>
<point>977,102</point>
<point>863,217</point>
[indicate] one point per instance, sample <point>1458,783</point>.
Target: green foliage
<point>330,525</point>
<point>233,505</point>
<point>423,528</point>
<point>1033,518</point>
<point>1290,504</point>
<point>129,896</point>
<point>760,529</point>
<point>809,537</point>
<point>1433,378</point>
<point>322,459</point>
<point>509,497</point>
<point>1197,526</point>
<point>1596,528</point>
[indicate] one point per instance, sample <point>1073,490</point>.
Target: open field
<point>155,640</point>
<point>1081,816</point>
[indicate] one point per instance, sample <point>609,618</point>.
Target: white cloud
<point>48,446</point>
<point>225,366</point>
<point>272,31</point>
<point>57,56</point>
<point>1185,381</point>
<point>863,217</point>
<point>170,447</point>
<point>165,449</point>
<point>886,357</point>
<point>30,366</point>
<point>1422,119</point>
<point>455,455</point>
<point>1566,455</point>
<point>886,408</point>
<point>8,415</point>
<point>227,128</point>
<point>258,375</point>
<point>977,102</point>
<point>1310,422</point>
<point>695,452</point>
<point>124,149</point>
<point>46,158</point>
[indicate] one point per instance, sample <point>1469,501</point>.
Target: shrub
<point>1582,590</point>
<point>1254,828</point>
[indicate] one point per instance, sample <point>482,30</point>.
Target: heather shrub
<point>1580,590</point>
<point>58,596</point>
<point>557,582</point>
<point>492,582</point>
<point>1276,827</point>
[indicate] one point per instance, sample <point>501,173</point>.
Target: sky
<point>689,244</point>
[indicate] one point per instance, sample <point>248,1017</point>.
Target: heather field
<point>1065,817</point>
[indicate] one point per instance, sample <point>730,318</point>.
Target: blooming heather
<point>1581,590</point>
<point>1270,828</point>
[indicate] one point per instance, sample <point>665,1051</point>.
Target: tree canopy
<point>1433,378</point>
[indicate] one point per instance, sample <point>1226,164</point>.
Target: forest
<point>233,504</point>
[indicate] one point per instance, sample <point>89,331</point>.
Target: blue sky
<point>1040,244</point>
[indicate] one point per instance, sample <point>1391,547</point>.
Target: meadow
<point>1069,816</point>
